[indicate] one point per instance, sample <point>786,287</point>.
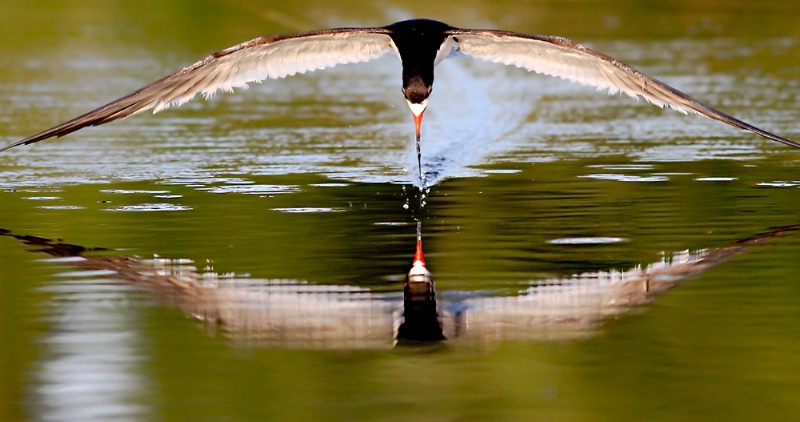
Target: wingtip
<point>30,140</point>
<point>788,142</point>
<point>13,144</point>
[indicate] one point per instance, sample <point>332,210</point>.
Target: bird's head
<point>416,92</point>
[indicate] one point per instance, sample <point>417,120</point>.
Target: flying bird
<point>420,44</point>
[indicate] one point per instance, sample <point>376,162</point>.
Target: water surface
<point>541,194</point>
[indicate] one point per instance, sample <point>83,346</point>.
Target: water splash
<point>471,117</point>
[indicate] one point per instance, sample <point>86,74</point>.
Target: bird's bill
<point>418,109</point>
<point>418,123</point>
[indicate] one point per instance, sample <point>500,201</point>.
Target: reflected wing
<point>295,314</point>
<point>568,60</point>
<point>253,61</point>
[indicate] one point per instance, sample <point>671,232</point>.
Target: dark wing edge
<point>626,78</point>
<point>208,75</point>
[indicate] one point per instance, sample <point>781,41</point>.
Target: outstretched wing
<point>252,61</point>
<point>568,60</point>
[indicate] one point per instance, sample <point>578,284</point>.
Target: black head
<point>416,90</point>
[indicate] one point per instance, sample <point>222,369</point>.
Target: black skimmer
<point>420,44</point>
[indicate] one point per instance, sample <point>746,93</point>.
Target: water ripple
<point>586,240</point>
<point>625,177</point>
<point>303,210</point>
<point>151,207</point>
<point>254,189</point>
<point>133,191</point>
<point>780,184</point>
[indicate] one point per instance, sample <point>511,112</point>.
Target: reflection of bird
<point>296,314</point>
<point>420,44</point>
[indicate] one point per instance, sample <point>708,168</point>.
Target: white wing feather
<point>277,57</point>
<point>565,59</point>
<point>562,58</point>
<point>235,67</point>
<point>245,63</point>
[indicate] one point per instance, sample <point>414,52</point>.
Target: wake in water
<point>470,119</point>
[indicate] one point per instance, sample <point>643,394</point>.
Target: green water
<point>309,181</point>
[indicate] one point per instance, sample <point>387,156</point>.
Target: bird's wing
<point>569,60</point>
<point>252,61</point>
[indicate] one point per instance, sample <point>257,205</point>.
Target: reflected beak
<point>419,273</point>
